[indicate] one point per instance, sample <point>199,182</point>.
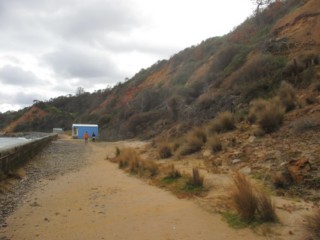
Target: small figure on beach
<point>86,137</point>
<point>93,137</point>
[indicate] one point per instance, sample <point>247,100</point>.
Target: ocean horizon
<point>7,142</point>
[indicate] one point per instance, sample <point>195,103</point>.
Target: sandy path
<point>102,202</point>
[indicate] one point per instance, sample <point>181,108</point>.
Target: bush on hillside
<point>287,96</point>
<point>173,106</point>
<point>200,134</point>
<point>164,150</point>
<point>215,144</point>
<point>191,145</point>
<point>194,141</point>
<point>222,123</point>
<point>137,123</point>
<point>205,100</point>
<point>256,106</point>
<point>225,57</point>
<point>258,76</point>
<point>268,114</point>
<point>272,117</point>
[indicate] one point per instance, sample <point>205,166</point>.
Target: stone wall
<point>13,157</point>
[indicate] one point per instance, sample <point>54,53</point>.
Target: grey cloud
<point>77,20</point>
<point>129,45</point>
<point>20,98</point>
<point>26,98</point>
<point>96,19</point>
<point>84,64</point>
<point>11,75</point>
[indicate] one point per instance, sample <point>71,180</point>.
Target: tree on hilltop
<point>260,3</point>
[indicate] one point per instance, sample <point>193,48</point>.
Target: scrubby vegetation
<point>191,88</point>
<point>208,101</point>
<point>287,96</point>
<point>215,144</point>
<point>131,161</point>
<point>312,225</point>
<point>222,123</point>
<point>165,150</point>
<point>251,203</point>
<point>268,115</point>
<point>194,141</point>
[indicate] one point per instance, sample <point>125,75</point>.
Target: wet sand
<point>99,201</point>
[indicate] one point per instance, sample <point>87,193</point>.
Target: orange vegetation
<point>33,113</point>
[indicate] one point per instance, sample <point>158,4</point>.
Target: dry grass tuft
<point>129,159</point>
<point>173,173</point>
<point>117,151</point>
<point>312,226</point>
<point>272,117</point>
<point>196,180</point>
<point>215,144</point>
<point>164,150</point>
<point>222,123</point>
<point>268,114</point>
<point>266,209</point>
<point>256,106</point>
<point>149,168</point>
<point>192,145</point>
<point>193,142</point>
<point>244,198</point>
<point>200,134</point>
<point>251,203</point>
<point>287,96</point>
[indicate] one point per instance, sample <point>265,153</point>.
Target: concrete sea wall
<point>15,156</point>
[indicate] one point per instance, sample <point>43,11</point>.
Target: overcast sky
<point>49,48</point>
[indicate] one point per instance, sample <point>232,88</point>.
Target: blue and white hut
<point>78,130</point>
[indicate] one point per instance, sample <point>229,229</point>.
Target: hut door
<point>75,132</point>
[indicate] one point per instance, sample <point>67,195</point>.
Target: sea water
<point>7,142</point>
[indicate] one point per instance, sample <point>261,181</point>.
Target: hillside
<point>234,121</point>
<point>281,43</point>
